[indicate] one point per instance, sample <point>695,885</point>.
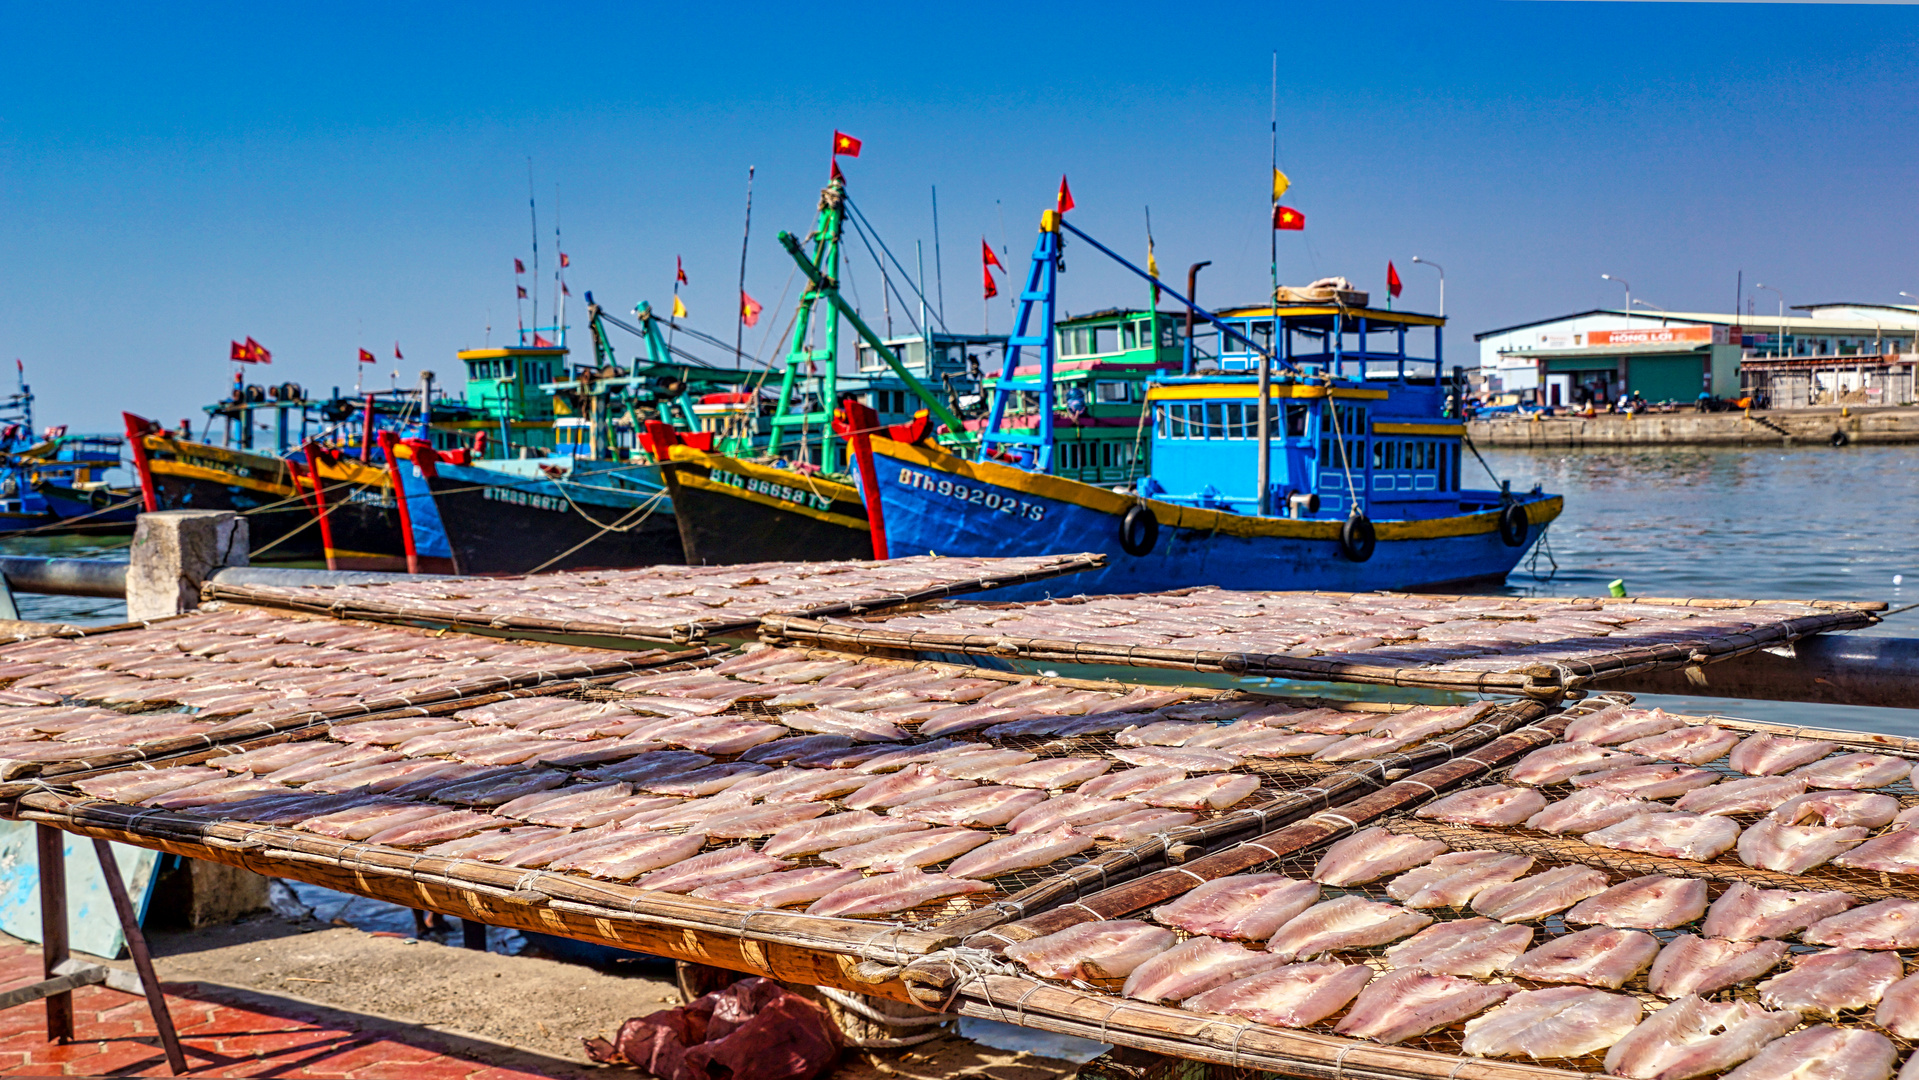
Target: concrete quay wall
<point>1783,427</point>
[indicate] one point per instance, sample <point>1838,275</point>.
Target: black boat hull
<point>732,511</point>
<point>497,528</point>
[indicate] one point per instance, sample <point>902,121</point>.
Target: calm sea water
<point>1814,523</point>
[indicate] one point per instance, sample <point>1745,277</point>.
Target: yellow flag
<point>1152,264</point>
<point>1280,184</point>
<point>679,309</point>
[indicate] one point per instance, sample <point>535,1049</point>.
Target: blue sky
<point>174,178</point>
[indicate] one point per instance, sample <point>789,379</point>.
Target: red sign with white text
<point>1657,335</point>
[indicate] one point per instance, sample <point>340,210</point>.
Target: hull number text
<point>974,496</point>
<point>797,496</point>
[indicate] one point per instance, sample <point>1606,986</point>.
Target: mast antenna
<point>739,302</point>
<point>534,214</point>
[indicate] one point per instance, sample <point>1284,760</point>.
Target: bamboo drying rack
<point>1539,679</point>
<point>360,602</point>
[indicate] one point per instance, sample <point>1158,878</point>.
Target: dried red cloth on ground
<point>755,1029</point>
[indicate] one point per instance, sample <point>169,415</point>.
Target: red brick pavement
<point>115,1035</point>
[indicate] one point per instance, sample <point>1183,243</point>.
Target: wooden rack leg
<point>53,928</point>
<point>142,961</point>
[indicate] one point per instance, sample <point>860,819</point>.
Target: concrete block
<point>222,893</point>
<point>173,553</point>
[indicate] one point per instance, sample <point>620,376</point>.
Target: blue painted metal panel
<point>92,925</point>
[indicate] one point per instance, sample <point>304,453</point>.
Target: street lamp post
<point>1779,348</point>
<point>1628,285</point>
<point>1442,282</point>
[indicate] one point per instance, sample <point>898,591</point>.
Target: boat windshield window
<point>1179,422</point>
<point>1215,421</point>
<point>1296,420</point>
<point>1112,391</point>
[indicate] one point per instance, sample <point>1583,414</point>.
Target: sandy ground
<point>526,1011</point>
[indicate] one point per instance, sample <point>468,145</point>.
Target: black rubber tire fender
<point>1839,438</point>
<point>1138,530</point>
<point>1357,540</point>
<point>1513,525</point>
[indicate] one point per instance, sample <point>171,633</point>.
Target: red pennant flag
<point>679,270</point>
<point>1392,278</point>
<point>749,310</point>
<point>1065,200</point>
<point>522,289</point>
<point>845,144</point>
<point>241,355</point>
<point>986,254</point>
<point>565,260</point>
<point>366,357</point>
<point>1285,217</point>
<point>519,267</point>
<point>992,290</point>
<point>396,351</point>
<point>836,174</point>
<point>541,343</point>
<point>564,291</point>
<point>259,352</point>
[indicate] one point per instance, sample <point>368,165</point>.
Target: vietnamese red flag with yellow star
<point>750,310</point>
<point>565,260</point>
<point>1285,217</point>
<point>1065,200</point>
<point>519,267</point>
<point>258,352</point>
<point>366,357</point>
<point>845,144</point>
<point>1392,278</point>
<point>679,270</point>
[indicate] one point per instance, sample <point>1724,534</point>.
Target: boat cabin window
<point>1112,391</point>
<point>1228,420</point>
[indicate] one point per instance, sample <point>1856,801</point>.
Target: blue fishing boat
<point>1311,447</point>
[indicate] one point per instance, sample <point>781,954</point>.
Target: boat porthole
<point>1138,530</point>
<point>1356,538</point>
<point>1513,524</point>
<point>1839,438</point>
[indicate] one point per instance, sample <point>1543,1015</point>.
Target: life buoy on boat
<point>1138,530</point>
<point>1357,539</point>
<point>1840,438</point>
<point>1513,524</point>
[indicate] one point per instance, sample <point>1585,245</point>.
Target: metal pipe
<point>287,576</point>
<point>1192,290</point>
<point>1835,669</point>
<point>65,577</point>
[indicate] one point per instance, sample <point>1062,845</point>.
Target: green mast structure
<point>804,363</point>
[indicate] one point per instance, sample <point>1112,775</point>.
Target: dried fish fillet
<point>1888,924</point>
<point>1021,851</point>
<point>1371,854</point>
<point>1095,950</point>
<point>1493,804</point>
<point>1589,810</point>
<point>1770,755</point>
<point>887,894</point>
<point>977,806</point>
<point>1292,995</point>
<point>1898,1010</point>
<point>1696,965</point>
<point>1198,965</point>
<point>1694,745</point>
<point>1189,760</point>
<point>1830,982</point>
<point>1601,956</point>
<point>781,888</point>
<point>1138,826</point>
<point>1895,852</point>
<point>1617,725</point>
<point>1838,809</point>
<point>1692,1037</point>
<point>631,855</point>
<point>711,868</point>
<point>1560,763</point>
<point>1131,781</point>
<point>1453,879</point>
<point>836,831</point>
<point>1675,835</point>
<point>1540,895</point>
<point>1348,922</point>
<point>1075,810</point>
<point>912,782</point>
<point>1795,849</point>
<point>905,850</point>
<point>1854,771</point>
<point>1557,1022</point>
<point>1215,790</point>
<point>1247,907</point>
<point>1820,1052</point>
<point>1653,902</point>
<point>1649,781</point>
<point>1049,773</point>
<point>1406,1002</point>
<point>1462,947</point>
<point>1754,795</point>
